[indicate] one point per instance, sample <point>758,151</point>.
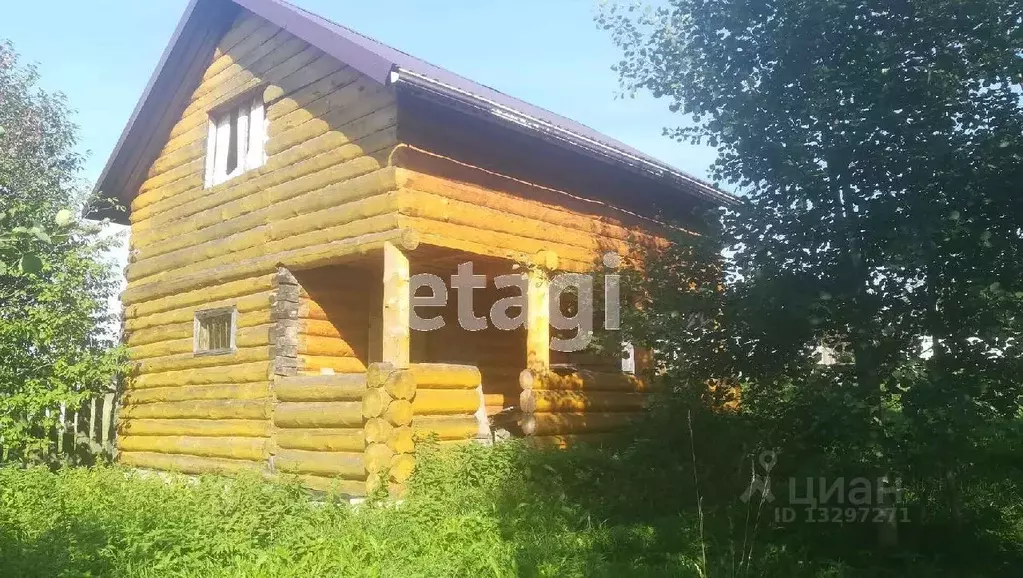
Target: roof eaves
<point>552,131</point>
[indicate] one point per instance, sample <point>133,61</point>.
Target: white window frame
<point>197,331</point>
<point>251,130</point>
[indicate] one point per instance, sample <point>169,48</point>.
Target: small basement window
<point>235,143</point>
<point>214,330</point>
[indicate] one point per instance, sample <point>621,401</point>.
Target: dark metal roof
<point>373,59</point>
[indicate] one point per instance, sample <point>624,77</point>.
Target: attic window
<point>215,330</point>
<point>235,142</point>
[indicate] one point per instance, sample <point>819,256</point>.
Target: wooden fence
<point>89,429</point>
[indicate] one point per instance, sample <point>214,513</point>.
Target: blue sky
<point>100,53</point>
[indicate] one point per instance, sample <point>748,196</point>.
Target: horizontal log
<point>324,346</point>
<point>399,413</point>
<point>337,414</point>
<point>445,427</point>
<point>375,402</point>
<point>558,401</point>
<point>245,337</point>
<point>338,364</point>
<point>542,424</point>
<point>340,387</point>
<point>241,373</point>
<point>378,458</point>
<point>402,440</point>
<point>378,430</point>
<point>582,381</point>
<point>259,285</point>
<point>346,464</point>
<point>284,101</point>
<point>249,309</point>
<point>322,439</point>
<point>194,361</point>
<point>446,375</point>
<point>339,486</point>
<point>194,427</point>
<point>364,92</point>
<point>244,391</point>
<point>187,464</point>
<point>402,467</point>
<point>445,401</point>
<point>309,257</point>
<point>205,409</point>
<point>239,448</point>
<point>400,384</point>
<point>366,117</point>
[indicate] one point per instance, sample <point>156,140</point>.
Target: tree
<point>56,339</point>
<point>878,148</point>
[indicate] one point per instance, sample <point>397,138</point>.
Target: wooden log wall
<point>333,319</point>
<point>447,402</point>
<point>324,192</point>
<point>565,406</point>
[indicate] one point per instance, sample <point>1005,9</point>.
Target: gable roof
<point>205,21</point>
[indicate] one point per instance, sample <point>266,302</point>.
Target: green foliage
<point>476,511</point>
<point>878,147</point>
<point>56,336</point>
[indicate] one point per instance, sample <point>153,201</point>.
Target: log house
<point>285,178</point>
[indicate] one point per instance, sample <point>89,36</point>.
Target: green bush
<point>475,511</point>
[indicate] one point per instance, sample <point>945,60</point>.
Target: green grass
<point>474,512</point>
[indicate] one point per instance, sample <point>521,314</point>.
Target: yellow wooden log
<point>378,430</point>
<point>242,288</point>
<point>248,304</point>
<point>542,424</point>
<point>243,391</point>
<point>322,439</point>
<point>400,384</point>
<point>401,468</point>
<point>331,105</point>
<point>194,427</point>
<point>319,328</point>
<point>337,414</point>
<point>158,225</point>
<point>582,381</point>
<point>556,401</point>
<point>445,401</point>
<point>247,26</point>
<point>340,387</point>
<point>241,373</point>
<point>298,259</point>
<point>362,119</point>
<point>399,413</point>
<point>378,458</point>
<point>340,202</point>
<point>445,427</point>
<point>205,409</point>
<point>446,375</point>
<point>396,301</point>
<point>324,346</point>
<point>375,402</point>
<point>268,247</point>
<point>402,441</point>
<point>346,464</point>
<point>313,363</point>
<point>187,464</point>
<point>284,100</point>
<point>193,361</point>
<point>247,337</point>
<point>240,448</point>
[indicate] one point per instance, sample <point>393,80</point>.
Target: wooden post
<point>538,327</point>
<point>396,301</point>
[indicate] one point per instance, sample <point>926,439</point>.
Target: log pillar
<point>396,307</point>
<point>538,316</point>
